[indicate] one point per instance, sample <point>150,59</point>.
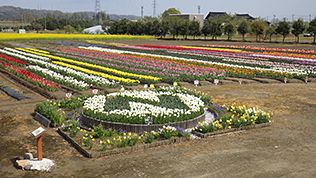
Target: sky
<point>266,9</point>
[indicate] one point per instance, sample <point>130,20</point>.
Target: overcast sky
<point>256,8</point>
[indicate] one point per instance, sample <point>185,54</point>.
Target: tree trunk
<point>283,39</point>
<point>243,37</point>
<point>298,39</point>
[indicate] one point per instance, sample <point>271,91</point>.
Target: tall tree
<point>206,29</point>
<point>170,11</point>
<point>215,27</point>
<point>37,26</point>
<point>243,28</point>
<point>184,28</point>
<point>298,28</point>
<point>258,27</point>
<point>194,28</point>
<point>229,30</point>
<point>312,28</point>
<point>270,31</point>
<point>283,29</point>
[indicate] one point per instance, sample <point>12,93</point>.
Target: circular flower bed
<point>146,107</point>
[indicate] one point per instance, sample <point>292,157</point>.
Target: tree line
<point>213,27</point>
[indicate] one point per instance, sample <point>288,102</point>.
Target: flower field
<point>245,61</point>
<point>115,64</point>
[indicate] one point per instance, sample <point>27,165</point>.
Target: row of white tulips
<point>57,77</point>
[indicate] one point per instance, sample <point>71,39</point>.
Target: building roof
<point>222,14</point>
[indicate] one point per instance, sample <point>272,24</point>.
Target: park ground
<point>287,148</point>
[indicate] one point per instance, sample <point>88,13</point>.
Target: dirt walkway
<point>285,149</point>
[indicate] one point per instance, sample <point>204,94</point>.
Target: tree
<point>170,11</point>
<point>174,25</point>
<point>257,27</point>
<point>270,31</point>
<point>37,26</point>
<point>312,28</point>
<point>69,29</point>
<point>164,28</point>
<point>206,29</point>
<point>283,29</point>
<point>79,29</point>
<point>229,30</point>
<point>215,27</point>
<point>194,28</point>
<point>243,28</point>
<point>298,28</point>
<point>184,28</point>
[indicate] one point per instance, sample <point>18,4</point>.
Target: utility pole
<point>199,9</point>
<point>154,11</point>
<point>142,12</point>
<point>97,10</point>
<point>293,18</point>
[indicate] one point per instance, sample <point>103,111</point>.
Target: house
<point>197,17</point>
<point>223,14</point>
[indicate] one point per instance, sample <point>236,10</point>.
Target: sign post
<point>38,133</point>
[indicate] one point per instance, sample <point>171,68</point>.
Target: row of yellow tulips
<point>121,73</point>
<point>110,77</point>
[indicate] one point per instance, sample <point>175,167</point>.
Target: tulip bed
<point>240,61</point>
<point>12,65</point>
<point>165,105</point>
<point>117,64</point>
<point>233,117</point>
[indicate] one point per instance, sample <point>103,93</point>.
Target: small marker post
<point>38,133</point>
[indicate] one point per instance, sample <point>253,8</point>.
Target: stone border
<point>139,128</point>
<point>120,150</point>
<point>221,132</point>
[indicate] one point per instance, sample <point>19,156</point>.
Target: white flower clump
<point>95,103</point>
<point>27,54</point>
<point>58,77</point>
<point>148,95</point>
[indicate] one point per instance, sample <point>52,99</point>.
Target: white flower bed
<point>58,77</point>
<point>137,109</point>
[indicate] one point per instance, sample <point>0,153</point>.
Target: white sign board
<point>38,131</point>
